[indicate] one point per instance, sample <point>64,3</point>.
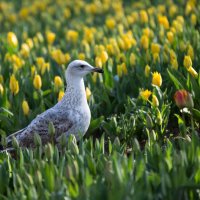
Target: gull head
<point>80,68</point>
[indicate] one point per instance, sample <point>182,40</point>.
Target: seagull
<point>69,116</point>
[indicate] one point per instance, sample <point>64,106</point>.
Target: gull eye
<point>82,66</point>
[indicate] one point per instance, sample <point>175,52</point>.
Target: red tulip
<point>183,99</point>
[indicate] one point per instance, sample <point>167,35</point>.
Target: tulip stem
<point>183,116</point>
<point>192,123</point>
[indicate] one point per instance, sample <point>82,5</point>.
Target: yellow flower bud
<point>110,49</point>
<point>37,82</point>
<point>147,70</point>
<point>190,52</point>
<point>144,16</point>
<point>124,68</point>
<point>58,82</point>
<point>25,50</point>
<point>1,89</point>
<point>155,101</point>
<point>45,67</point>
<point>145,94</point>
<point>110,23</point>
<point>119,70</point>
<point>193,19</point>
<point>33,70</point>
<point>132,59</point>
<point>144,41</point>
<point>155,48</point>
<point>25,107</point>
<point>187,62</point>
<point>98,62</point>
<point>72,36</point>
<point>81,56</point>
<point>40,37</point>
<point>104,56</point>
<point>1,78</point>
<point>50,37</point>
<point>40,62</point>
<point>14,85</point>
<point>67,57</point>
<point>88,93</point>
<point>188,8</point>
<point>193,72</point>
<point>170,37</point>
<point>174,63</point>
<point>60,95</point>
<point>163,21</point>
<point>182,46</point>
<point>156,57</point>
<point>157,79</point>
<point>12,39</point>
<point>29,42</point>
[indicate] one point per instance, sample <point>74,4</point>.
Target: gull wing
<point>61,119</point>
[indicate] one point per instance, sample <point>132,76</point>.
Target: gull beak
<point>97,69</point>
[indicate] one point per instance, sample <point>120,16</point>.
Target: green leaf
<point>176,82</point>
<point>196,113</point>
<point>2,109</point>
<point>95,124</point>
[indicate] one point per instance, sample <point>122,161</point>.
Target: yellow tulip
<point>193,19</point>
<point>12,39</point>
<point>72,36</point>
<point>25,107</point>
<point>187,62</point>
<point>155,101</point>
<point>104,56</point>
<point>45,67</point>
<point>156,57</point>
<point>170,37</point>
<point>110,23</point>
<point>163,21</point>
<point>110,49</point>
<point>1,78</point>
<point>14,85</point>
<point>1,89</point>
<point>33,70</point>
<point>98,62</point>
<point>144,41</point>
<point>124,68</point>
<point>67,57</point>
<point>190,52</point>
<point>60,57</point>
<point>37,82</point>
<point>145,94</point>
<point>88,93</point>
<point>81,56</point>
<point>60,95</point>
<point>193,72</point>
<point>29,42</point>
<point>144,16</point>
<point>50,37</point>
<point>132,59</point>
<point>174,63</point>
<point>182,46</point>
<point>25,50</point>
<point>147,70</point>
<point>40,62</point>
<point>119,70</point>
<point>58,82</point>
<point>157,79</point>
<point>155,48</point>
